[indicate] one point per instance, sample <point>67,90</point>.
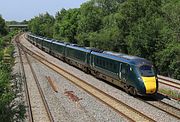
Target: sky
<point>20,10</point>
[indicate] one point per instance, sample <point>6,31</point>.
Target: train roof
<point>31,35</point>
<point>47,40</point>
<point>78,48</point>
<point>94,49</point>
<point>59,43</point>
<point>38,37</point>
<point>134,60</point>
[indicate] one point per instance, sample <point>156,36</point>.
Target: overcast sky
<point>20,10</point>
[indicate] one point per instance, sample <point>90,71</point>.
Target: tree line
<point>145,28</point>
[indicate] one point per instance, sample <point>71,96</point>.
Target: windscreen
<point>146,70</point>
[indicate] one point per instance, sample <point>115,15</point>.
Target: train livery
<point>134,74</point>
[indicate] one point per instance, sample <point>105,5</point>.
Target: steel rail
<point>171,84</point>
<point>38,85</point>
<point>25,83</point>
<point>167,108</point>
<point>167,81</point>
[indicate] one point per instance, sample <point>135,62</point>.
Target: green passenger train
<point>134,74</point>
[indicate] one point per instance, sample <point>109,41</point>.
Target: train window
<point>97,60</point>
<point>110,65</point>
<point>107,64</point>
<point>115,67</point>
<point>100,62</point>
<point>104,63</point>
<point>127,68</point>
<point>146,70</point>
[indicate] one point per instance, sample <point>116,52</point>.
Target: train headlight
<point>140,79</point>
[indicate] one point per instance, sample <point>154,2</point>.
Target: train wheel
<point>87,70</point>
<point>126,88</point>
<point>133,91</point>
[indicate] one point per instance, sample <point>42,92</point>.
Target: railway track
<point>169,82</point>
<point>25,85</point>
<point>128,112</point>
<point>31,112</point>
<point>167,108</point>
<point>172,84</point>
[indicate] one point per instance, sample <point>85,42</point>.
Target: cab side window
<point>127,68</point>
<point>123,69</point>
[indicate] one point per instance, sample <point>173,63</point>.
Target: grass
<point>170,93</point>
<point>11,106</point>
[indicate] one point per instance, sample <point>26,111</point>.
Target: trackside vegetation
<point>11,107</point>
<point>145,28</point>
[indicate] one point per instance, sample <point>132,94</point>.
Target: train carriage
<point>46,45</point>
<point>78,56</point>
<point>107,67</point>
<point>38,41</point>
<point>58,49</point>
<point>30,38</point>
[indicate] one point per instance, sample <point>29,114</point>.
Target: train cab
<point>148,76</point>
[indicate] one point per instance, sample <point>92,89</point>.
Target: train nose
<point>150,84</point>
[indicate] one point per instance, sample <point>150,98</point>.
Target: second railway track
<point>32,112</point>
<point>169,109</point>
<point>173,86</point>
<point>168,82</point>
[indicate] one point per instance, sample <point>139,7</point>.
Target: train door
<point>120,71</point>
<point>124,71</point>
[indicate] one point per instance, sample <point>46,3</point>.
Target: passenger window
<point>110,65</point>
<point>114,66</point>
<point>107,64</point>
<point>104,63</point>
<point>100,62</point>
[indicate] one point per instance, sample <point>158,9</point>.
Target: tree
<point>108,39</point>
<point>89,19</point>
<point>66,25</point>
<point>3,29</point>
<point>42,25</point>
<point>169,60</point>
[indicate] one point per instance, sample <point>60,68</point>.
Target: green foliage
<point>172,93</point>
<point>3,28</point>
<point>65,27</point>
<point>10,108</point>
<point>10,111</point>
<point>169,58</point>
<point>110,36</point>
<point>42,25</point>
<point>89,19</point>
